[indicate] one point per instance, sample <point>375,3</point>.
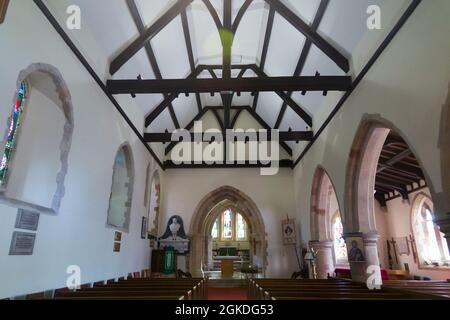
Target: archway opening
<point>327,228</point>
<point>224,206</point>
<point>383,178</point>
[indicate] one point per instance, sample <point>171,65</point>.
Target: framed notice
<point>144,228</point>
<point>118,236</point>
<point>402,245</point>
<point>289,234</point>
<point>116,247</point>
<point>22,244</point>
<point>27,220</point>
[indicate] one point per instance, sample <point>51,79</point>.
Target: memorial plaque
<point>116,247</point>
<point>22,244</point>
<point>27,220</point>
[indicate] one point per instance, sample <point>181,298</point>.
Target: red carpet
<point>227,294</point>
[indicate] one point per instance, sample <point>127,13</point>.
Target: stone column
<point>360,269</point>
<point>324,259</point>
<point>196,254</point>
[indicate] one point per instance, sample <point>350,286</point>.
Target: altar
<point>227,264</point>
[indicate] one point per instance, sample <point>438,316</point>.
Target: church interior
<point>225,149</point>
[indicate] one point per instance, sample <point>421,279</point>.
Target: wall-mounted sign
<point>22,244</point>
<point>289,233</point>
<point>27,220</point>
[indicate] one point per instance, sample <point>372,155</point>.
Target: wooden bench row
<point>141,289</point>
<point>330,289</point>
<point>435,288</point>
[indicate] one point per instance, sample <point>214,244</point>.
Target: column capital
<point>321,243</point>
<point>371,237</point>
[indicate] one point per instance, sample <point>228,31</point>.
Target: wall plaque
<point>27,220</point>
<point>22,244</point>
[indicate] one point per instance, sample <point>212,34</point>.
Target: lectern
<point>227,265</point>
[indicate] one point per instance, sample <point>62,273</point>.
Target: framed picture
<point>22,244</point>
<point>402,245</point>
<point>27,220</point>
<point>355,248</point>
<point>118,236</point>
<point>289,233</point>
<point>116,247</point>
<point>144,228</point>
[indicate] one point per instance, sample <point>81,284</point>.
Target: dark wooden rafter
<point>310,34</point>
<point>240,109</point>
<point>149,33</point>
<point>240,15</point>
<point>188,40</point>
<point>285,163</point>
<point>373,59</point>
<point>261,83</point>
<point>150,54</point>
<point>213,13</point>
<point>60,30</point>
<point>265,48</point>
<point>163,105</point>
<point>3,9</point>
<point>304,55</point>
<point>164,137</point>
<point>227,39</point>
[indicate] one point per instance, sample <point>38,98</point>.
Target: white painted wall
<point>78,234</point>
<point>184,189</point>
<point>408,85</point>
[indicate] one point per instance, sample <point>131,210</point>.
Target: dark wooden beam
<point>399,157</point>
<point>226,35</point>
<point>262,63</point>
<point>3,9</point>
<point>240,15</point>
<point>373,59</point>
<point>308,83</point>
<point>227,99</point>
<point>60,30</point>
<point>149,118</point>
<point>310,34</point>
<point>235,118</point>
<point>149,33</point>
<point>281,164</point>
<point>214,14</point>
<point>164,137</point>
<point>304,55</point>
<point>150,54</point>
<point>188,40</point>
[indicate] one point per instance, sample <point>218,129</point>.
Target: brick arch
<point>206,213</point>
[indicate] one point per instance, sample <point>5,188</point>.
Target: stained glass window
<point>215,230</point>
<point>340,248</point>
<point>240,222</point>
<point>227,229</point>
<point>11,137</point>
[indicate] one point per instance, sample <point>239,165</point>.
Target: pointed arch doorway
<point>207,212</point>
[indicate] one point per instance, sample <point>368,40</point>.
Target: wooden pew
<point>439,289</point>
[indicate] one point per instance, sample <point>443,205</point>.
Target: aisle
<point>227,294</point>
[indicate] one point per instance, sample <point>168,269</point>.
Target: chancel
<point>220,149</point>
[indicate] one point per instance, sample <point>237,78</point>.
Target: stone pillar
<point>196,254</point>
<point>360,269</point>
<point>324,259</point>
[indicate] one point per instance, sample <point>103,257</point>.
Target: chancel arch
<point>206,214</point>
<point>37,142</point>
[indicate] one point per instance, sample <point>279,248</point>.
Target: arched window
<point>431,245</point>
<point>12,134</point>
<point>231,226</point>
<point>340,248</point>
<point>121,190</point>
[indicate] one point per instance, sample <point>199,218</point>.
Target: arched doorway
<point>207,212</point>
<point>325,219</point>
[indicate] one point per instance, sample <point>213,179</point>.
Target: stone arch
<point>320,222</point>
<point>359,199</point>
<point>64,98</point>
<point>361,172</point>
<point>207,212</point>
<point>442,200</point>
<point>129,162</point>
